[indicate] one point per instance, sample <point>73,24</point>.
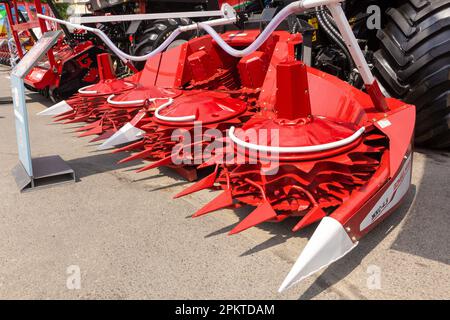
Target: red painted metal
<point>377,96</point>
<point>11,22</point>
<point>304,106</point>
<point>293,100</point>
<point>294,142</point>
<point>63,58</point>
<point>43,26</point>
<point>178,69</point>
<point>208,107</point>
<point>343,182</point>
<point>87,105</point>
<point>232,91</point>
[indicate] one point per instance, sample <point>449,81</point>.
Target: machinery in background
<point>9,53</point>
<point>70,64</point>
<point>407,46</point>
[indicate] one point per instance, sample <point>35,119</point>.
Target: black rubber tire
<point>155,34</point>
<point>413,64</point>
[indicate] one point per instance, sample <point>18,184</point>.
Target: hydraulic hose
<point>332,26</point>
<point>334,36</point>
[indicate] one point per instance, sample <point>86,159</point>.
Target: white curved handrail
<point>123,103</point>
<point>169,118</point>
<point>305,149</point>
<point>229,16</point>
<point>294,7</point>
<point>83,91</point>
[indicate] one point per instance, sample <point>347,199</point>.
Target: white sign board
<point>18,94</point>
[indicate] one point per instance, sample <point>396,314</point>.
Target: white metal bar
<point>148,16</point>
<point>110,100</point>
<point>169,118</point>
<point>229,16</point>
<point>304,149</point>
<point>309,4</point>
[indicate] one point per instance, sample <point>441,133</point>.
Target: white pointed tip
<point>329,243</point>
<point>128,133</point>
<point>56,109</point>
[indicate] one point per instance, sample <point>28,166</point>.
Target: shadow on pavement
<point>341,268</point>
<point>106,162</point>
<point>38,98</point>
<point>425,231</point>
<point>96,164</point>
<point>281,231</point>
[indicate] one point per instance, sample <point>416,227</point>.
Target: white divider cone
<point>56,109</point>
<point>128,133</point>
<point>329,243</point>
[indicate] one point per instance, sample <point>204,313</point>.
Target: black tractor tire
<point>413,64</point>
<point>156,33</point>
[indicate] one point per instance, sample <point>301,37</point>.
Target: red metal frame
<point>17,26</point>
<point>14,32</point>
<point>342,154</point>
<point>46,76</point>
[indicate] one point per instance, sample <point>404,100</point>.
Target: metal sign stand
<point>39,172</point>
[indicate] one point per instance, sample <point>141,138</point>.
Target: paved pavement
<point>131,240</point>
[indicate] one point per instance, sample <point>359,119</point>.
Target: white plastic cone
<point>128,133</point>
<point>329,243</point>
<point>56,109</point>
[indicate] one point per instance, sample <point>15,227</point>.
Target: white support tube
<point>147,16</point>
<point>304,149</point>
<point>111,45</point>
<point>161,48</point>
<point>296,7</point>
<point>171,119</point>
<point>123,103</point>
<point>228,13</point>
<point>84,91</point>
<point>293,8</point>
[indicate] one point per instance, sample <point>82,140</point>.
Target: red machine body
<point>219,91</point>
<point>343,182</point>
<point>285,138</point>
<point>66,67</point>
<point>200,78</point>
<point>68,59</point>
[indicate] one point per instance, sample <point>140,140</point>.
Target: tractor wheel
<point>413,63</point>
<point>155,34</point>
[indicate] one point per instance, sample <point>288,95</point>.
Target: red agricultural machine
<point>277,134</point>
<point>8,46</point>
<point>405,43</point>
<point>70,64</point>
